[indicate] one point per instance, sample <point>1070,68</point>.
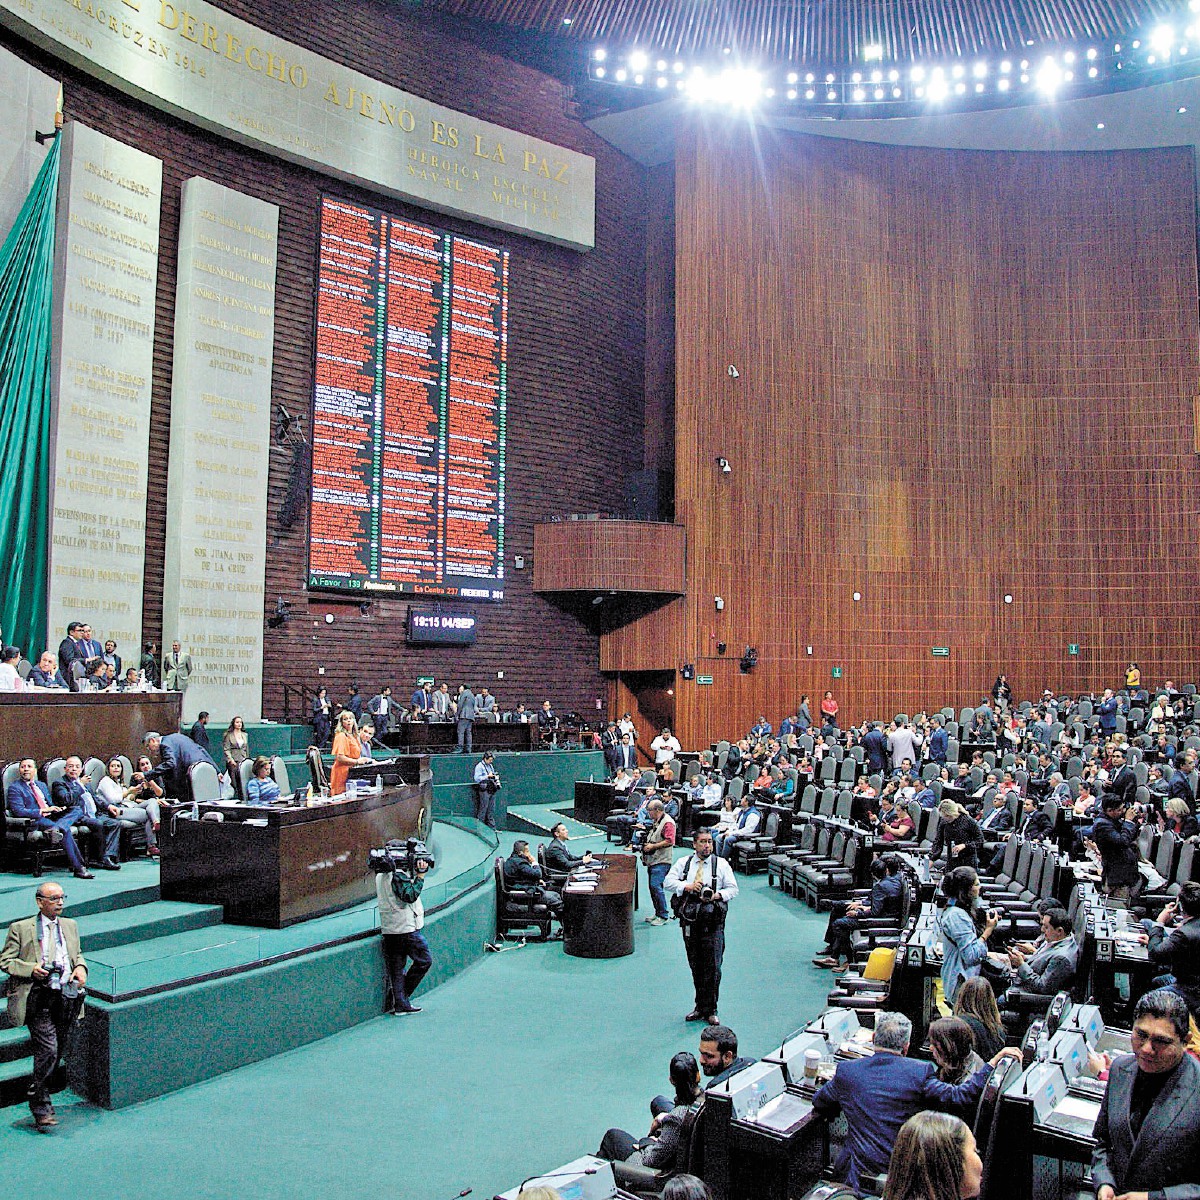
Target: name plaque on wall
<point>199,63</point>
<point>105,276</point>
<point>220,441</point>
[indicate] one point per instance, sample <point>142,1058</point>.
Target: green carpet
<point>517,1064</point>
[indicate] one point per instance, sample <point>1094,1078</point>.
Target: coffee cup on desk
<point>812,1059</point>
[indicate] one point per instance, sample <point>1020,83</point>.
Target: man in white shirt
<point>701,885</point>
<point>665,747</point>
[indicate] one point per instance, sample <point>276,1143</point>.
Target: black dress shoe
<point>109,864</point>
<point>84,874</point>
<point>695,1015</point>
<point>403,1012</point>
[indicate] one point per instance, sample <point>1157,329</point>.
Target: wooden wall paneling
<point>609,555</point>
<point>961,375</point>
<point>576,344</point>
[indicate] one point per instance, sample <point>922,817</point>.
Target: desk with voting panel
<point>277,865</point>
<point>598,923</point>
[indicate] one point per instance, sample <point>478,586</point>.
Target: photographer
<point>701,886</point>
<point>399,878</point>
<point>487,784</point>
<point>963,946</point>
<point>47,975</point>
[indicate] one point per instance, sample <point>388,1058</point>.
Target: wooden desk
<point>594,801</point>
<point>441,737</point>
<point>46,724</point>
<point>303,863</point>
<point>599,924</point>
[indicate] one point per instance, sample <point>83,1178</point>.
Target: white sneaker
<point>655,921</point>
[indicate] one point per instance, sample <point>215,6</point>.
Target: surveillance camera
<point>723,463</point>
<point>734,373</point>
<point>719,602</point>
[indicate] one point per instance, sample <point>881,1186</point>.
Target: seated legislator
<point>27,797</point>
<point>117,800</point>
<point>559,859</point>
<point>1174,944</point>
<point>895,825</point>
<point>347,750</point>
<point>664,1147</point>
<point>130,681</point>
<point>46,674</point>
<point>366,734</point>
<point>886,892</point>
<point>952,1045</point>
<point>261,788</point>
<point>935,1159</point>
<point>746,825</point>
<point>878,1094</point>
<point>522,874</point>
<point>72,791</point>
<point>1051,967</point>
<point>177,753</point>
<point>1148,1131</point>
<point>10,680</point>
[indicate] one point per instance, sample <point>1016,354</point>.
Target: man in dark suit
<point>875,747</point>
<point>939,742</point>
<point>72,652</point>
<point>610,740</point>
<point>46,674</point>
<point>1116,840</point>
<point>26,797</point>
<point>1033,824</point>
<point>878,1094</point>
<point>627,754</point>
<point>1106,710</point>
<point>997,819</point>
<point>1175,944</point>
<point>1182,785</point>
<point>559,859</point>
<point>73,793</point>
<point>177,754</point>
<point>1148,1131</point>
<point>1123,784</point>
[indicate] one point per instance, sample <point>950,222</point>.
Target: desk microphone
<point>556,1175</point>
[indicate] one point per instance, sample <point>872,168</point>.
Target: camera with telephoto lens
<point>400,856</point>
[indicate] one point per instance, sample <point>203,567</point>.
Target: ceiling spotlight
<point>938,88</point>
<point>599,54</point>
<point>638,61</point>
<point>661,81</point>
<point>661,65</point>
<point>810,78</point>
<point>567,20</point>
<point>639,79</point>
<point>980,70</point>
<point>791,95</point>
<point>959,88</point>
<point>1049,77</point>
<point>1181,109</point>
<point>896,93</point>
<point>1099,124</point>
<point>1091,54</point>
<point>1069,57</point>
<point>793,77</point>
<point>677,68</point>
<point>978,88</point>
<point>1005,67</point>
<point>958,71</point>
<point>856,77</point>
<point>621,75</point>
<point>1162,39</point>
<point>917,74</point>
<point>893,76</point>
<point>873,53</point>
<point>856,597</point>
<point>831,94</point>
<point>1002,85</point>
<point>879,93</point>
<point>810,94</point>
<point>599,72</point>
<point>859,94</point>
<point>723,463</point>
<point>876,76</point>
<point>829,78</point>
<point>1092,72</point>
<point>1007,598</point>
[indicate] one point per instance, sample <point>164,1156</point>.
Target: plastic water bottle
<point>1043,1047</point>
<point>195,811</point>
<point>379,784</point>
<point>755,1100</point>
<point>351,789</point>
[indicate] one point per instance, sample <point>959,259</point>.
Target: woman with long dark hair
<point>953,1048</point>
<point>934,1159</point>
<point>976,1005</point>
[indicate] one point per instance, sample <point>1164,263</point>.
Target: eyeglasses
<point>1155,1040</point>
<point>54,899</point>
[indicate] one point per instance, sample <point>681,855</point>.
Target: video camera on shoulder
<point>401,856</point>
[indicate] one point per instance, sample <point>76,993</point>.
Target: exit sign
<point>425,681</point>
<point>837,672</point>
<point>703,679</point>
<point>1073,648</point>
<point>941,651</point>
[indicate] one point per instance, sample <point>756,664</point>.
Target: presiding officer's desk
<point>441,737</point>
<point>46,723</point>
<point>598,921</point>
<point>277,865</point>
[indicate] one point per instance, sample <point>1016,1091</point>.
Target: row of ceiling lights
<point>1017,80</point>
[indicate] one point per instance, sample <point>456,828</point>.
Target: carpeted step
<point>14,1044</point>
<point>135,884</point>
<point>160,918</point>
